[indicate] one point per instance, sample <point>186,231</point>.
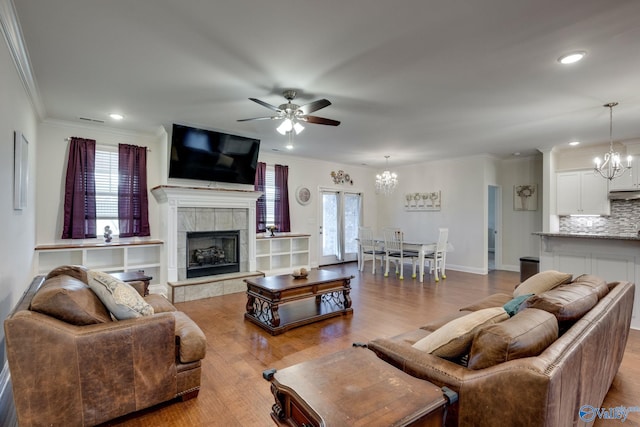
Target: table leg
<point>250,301</point>
<point>275,317</point>
<point>421,260</point>
<point>347,297</point>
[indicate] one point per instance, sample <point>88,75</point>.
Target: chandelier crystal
<point>387,181</point>
<point>612,166</point>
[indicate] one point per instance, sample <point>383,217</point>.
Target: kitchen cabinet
<point>581,193</point>
<point>628,181</point>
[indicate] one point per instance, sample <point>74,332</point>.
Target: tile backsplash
<point>624,218</point>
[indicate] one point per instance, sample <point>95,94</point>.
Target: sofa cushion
<point>595,282</point>
<point>192,342</point>
<point>70,300</point>
<point>76,271</point>
<point>512,306</point>
<point>567,302</point>
<point>440,321</point>
<point>495,300</point>
<point>122,300</point>
<point>159,303</point>
<point>454,339</point>
<point>526,334</point>
<point>541,282</point>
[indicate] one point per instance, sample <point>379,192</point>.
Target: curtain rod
<point>69,139</point>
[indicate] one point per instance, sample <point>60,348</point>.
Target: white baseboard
<point>8,415</point>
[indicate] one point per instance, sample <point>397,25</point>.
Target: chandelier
<point>612,167</point>
<point>387,181</point>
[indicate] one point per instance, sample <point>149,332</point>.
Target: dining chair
<point>367,245</point>
<point>394,249</point>
<point>438,257</point>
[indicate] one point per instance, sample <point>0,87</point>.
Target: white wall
<point>517,226</point>
<point>316,174</point>
<point>464,208</point>
<point>52,155</point>
<point>18,226</point>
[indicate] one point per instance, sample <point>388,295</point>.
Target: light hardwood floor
<point>233,392</point>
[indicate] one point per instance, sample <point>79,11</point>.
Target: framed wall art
<point>525,197</point>
<point>20,171</point>
<point>430,201</point>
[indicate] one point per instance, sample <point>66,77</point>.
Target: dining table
<point>423,250</point>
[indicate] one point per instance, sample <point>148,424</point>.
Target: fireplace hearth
<point>212,252</point>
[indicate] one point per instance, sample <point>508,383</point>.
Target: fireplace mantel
<point>173,197</point>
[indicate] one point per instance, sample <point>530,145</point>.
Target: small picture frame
<point>20,171</point>
<point>525,197</point>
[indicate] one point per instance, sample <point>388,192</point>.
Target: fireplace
<point>212,252</point>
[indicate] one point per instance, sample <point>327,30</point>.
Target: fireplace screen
<point>213,252</point>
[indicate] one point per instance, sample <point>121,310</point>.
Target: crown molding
<point>102,128</point>
<point>10,27</point>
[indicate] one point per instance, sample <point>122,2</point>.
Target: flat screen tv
<point>212,156</point>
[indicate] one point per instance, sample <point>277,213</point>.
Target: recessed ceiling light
<point>289,147</point>
<point>574,143</point>
<point>572,57</point>
<point>116,116</point>
<point>517,153</point>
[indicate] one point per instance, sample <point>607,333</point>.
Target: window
<point>106,176</point>
<point>270,193</point>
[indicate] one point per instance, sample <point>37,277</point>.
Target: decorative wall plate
<point>303,195</point>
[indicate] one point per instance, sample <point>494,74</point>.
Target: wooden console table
<point>279,303</point>
<point>353,387</point>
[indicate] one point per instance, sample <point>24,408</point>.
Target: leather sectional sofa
<point>71,364</point>
<point>557,354</point>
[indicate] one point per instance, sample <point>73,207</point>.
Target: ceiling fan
<point>293,114</point>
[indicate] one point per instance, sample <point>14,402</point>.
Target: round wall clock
<point>303,195</point>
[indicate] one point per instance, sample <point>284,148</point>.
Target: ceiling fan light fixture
<point>285,127</point>
<point>298,127</point>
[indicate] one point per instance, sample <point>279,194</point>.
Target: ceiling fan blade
<point>314,106</point>
<point>264,104</point>
<point>320,120</point>
<point>258,118</point>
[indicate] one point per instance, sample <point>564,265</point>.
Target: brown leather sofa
<point>547,386</point>
<point>72,365</point>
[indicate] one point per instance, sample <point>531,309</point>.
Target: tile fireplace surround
<point>184,209</point>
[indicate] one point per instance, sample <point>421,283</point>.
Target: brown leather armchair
<point>72,365</point>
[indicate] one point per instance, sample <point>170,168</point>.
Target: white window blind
<point>106,176</point>
<point>270,192</point>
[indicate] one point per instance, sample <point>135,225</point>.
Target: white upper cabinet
<point>581,193</point>
<point>629,181</point>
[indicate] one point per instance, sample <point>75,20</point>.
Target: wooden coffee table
<point>353,388</point>
<point>279,303</point>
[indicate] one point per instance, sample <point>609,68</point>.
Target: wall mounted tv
<point>212,156</point>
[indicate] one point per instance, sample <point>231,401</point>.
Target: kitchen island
<point>614,257</point>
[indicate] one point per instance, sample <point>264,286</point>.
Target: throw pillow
<point>511,307</point>
<point>70,300</point>
<point>122,300</point>
<point>542,282</point>
<point>526,334</point>
<point>454,339</point>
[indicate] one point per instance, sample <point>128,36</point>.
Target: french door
<point>340,217</point>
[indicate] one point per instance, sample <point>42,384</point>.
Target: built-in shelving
<point>110,257</point>
<point>282,253</point>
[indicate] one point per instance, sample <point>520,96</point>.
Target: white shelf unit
<point>282,253</point>
<point>109,257</point>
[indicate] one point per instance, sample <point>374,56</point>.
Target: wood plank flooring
<point>233,392</point>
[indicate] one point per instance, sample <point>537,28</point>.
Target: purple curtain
<point>80,190</point>
<point>281,209</point>
<point>261,203</point>
<point>133,202</point>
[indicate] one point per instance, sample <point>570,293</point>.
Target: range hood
<point>624,195</point>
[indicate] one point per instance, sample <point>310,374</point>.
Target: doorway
<point>340,217</point>
<point>494,225</point>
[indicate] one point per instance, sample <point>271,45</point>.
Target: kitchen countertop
<point>613,236</point>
